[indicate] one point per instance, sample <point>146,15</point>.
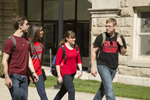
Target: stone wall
<point>124,14</point>
<point>126,29</point>
<point>9,9</point>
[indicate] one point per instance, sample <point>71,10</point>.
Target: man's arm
<point>122,49</point>
<point>93,56</point>
<point>8,81</point>
<point>30,65</point>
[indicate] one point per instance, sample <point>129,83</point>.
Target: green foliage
<point>1,67</point>
<point>91,86</point>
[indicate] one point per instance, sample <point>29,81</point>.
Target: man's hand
<point>35,77</point>
<point>8,82</point>
<point>93,71</point>
<point>60,80</point>
<point>119,40</point>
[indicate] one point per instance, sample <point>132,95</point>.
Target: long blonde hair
<point>67,34</point>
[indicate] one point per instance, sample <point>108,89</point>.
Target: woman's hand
<point>79,73</point>
<point>31,80</point>
<point>35,77</point>
<point>60,80</point>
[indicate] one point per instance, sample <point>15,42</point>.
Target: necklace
<point>69,47</point>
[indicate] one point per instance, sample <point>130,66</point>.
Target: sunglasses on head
<point>111,41</point>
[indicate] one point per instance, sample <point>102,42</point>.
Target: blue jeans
<point>19,89</point>
<point>67,86</point>
<point>106,88</point>
<point>40,87</point>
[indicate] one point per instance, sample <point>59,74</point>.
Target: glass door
<point>68,26</point>
<point>50,41</point>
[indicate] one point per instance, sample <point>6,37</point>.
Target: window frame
<point>134,59</point>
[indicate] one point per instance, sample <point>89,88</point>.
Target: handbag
<point>44,75</point>
<point>43,72</point>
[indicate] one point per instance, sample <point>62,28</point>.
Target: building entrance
<point>76,18</point>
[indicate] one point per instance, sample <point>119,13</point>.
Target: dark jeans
<point>19,89</point>
<point>40,87</point>
<point>67,86</point>
<point>106,87</point>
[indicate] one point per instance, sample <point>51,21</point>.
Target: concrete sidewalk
<point>33,95</point>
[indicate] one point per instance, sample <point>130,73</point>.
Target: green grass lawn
<point>91,86</point>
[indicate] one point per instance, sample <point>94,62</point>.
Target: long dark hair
<point>33,33</point>
<point>67,34</point>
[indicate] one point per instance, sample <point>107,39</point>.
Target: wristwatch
<point>81,71</point>
<point>33,72</point>
<point>121,45</point>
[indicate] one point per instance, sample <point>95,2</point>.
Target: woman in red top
<point>66,71</point>
<point>36,49</point>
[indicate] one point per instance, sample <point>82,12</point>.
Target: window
<point>51,9</point>
<point>144,34</point>
<point>140,55</point>
<point>34,12</point>
<point>75,16</point>
<point>82,11</point>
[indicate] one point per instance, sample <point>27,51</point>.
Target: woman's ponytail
<point>62,42</point>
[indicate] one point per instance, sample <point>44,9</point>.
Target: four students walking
<point>28,53</point>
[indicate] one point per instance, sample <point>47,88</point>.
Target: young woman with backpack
<point>66,67</point>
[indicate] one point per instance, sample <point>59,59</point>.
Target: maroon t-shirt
<point>19,61</point>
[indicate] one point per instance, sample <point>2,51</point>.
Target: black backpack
<point>53,65</point>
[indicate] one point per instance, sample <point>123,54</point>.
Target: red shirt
<point>72,58</point>
<point>37,60</point>
<point>19,61</point>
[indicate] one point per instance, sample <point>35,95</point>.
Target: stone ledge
<point>141,81</point>
<point>132,80</point>
<point>125,79</point>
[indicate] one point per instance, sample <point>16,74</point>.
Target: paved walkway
<point>33,95</point>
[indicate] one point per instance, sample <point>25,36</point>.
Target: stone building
<point>87,18</point>
<point>133,18</point>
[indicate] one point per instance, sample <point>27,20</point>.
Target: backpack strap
<point>14,41</point>
<point>14,45</point>
<point>64,53</point>
<point>76,48</point>
<point>104,38</point>
<point>118,35</point>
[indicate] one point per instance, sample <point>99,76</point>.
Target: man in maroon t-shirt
<point>15,71</point>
